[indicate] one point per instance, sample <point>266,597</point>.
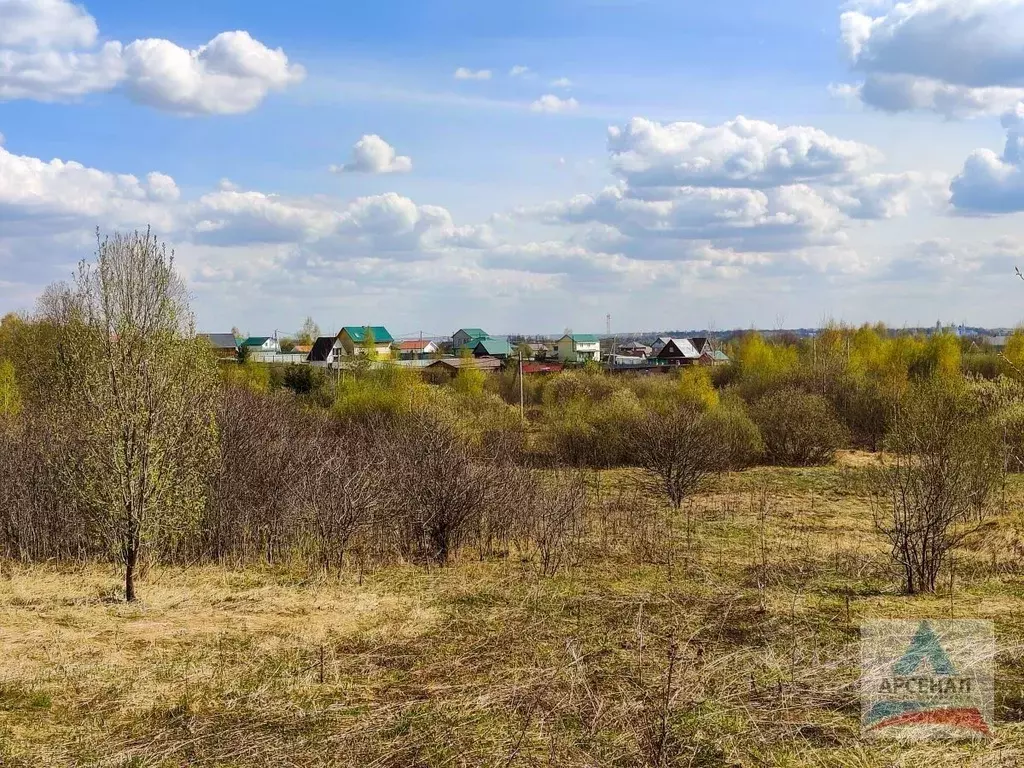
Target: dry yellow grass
<point>488,663</point>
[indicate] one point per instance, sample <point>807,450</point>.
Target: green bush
<point>741,438</point>
<point>799,429</point>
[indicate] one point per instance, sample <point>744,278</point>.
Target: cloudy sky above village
<point>527,166</point>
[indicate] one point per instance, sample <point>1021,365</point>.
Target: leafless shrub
<point>680,450</point>
<point>254,503</point>
<point>945,463</point>
<point>37,520</point>
<point>340,488</point>
<point>445,491</point>
<point>556,518</point>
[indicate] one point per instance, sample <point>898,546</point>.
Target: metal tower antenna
<point>608,324</point>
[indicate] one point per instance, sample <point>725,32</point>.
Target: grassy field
<point>725,637</point>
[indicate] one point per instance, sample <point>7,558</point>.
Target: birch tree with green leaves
<point>137,398</point>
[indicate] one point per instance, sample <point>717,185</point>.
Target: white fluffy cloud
<point>553,104</point>
<point>956,57</point>
<point>519,70</point>
<point>739,153</point>
<point>562,82</point>
<point>464,73</point>
<point>371,154</point>
<point>388,225</point>
<point>50,75</point>
<point>230,74</point>
<point>745,186</point>
<point>760,220</point>
<point>48,52</point>
<point>49,210</point>
<point>39,197</point>
<point>45,24</point>
<point>990,183</point>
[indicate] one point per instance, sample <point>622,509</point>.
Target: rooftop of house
<point>358,333</point>
<point>585,338</point>
<point>683,346</point>
<point>494,346</point>
<point>220,340</point>
<point>321,349</point>
<point>256,341</point>
<point>415,345</point>
<point>482,363</point>
<point>473,333</point>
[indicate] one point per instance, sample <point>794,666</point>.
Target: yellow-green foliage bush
<point>252,376</point>
<point>379,390</point>
<point>10,396</point>
<point>763,366</point>
<point>740,436</point>
<point>568,386</point>
<point>586,433</point>
<point>695,387</point>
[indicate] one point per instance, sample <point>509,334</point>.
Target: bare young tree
<point>137,395</point>
<point>679,449</point>
<point>308,333</point>
<point>944,464</point>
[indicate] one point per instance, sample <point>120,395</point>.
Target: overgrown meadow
<point>225,564</point>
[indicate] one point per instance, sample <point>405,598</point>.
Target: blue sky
<point>767,164</point>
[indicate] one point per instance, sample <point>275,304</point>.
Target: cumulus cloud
<point>39,197</point>
<point>990,183</point>
<point>45,24</point>
<point>59,75</point>
<point>48,52</point>
<point>581,264</point>
<point>371,154</point>
<point>232,73</point>
<point>390,224</point>
<point>49,211</point>
<point>739,153</point>
<point>553,104</point>
<point>888,195</point>
<point>956,57</point>
<point>763,220</point>
<point>464,73</point>
<point>760,193</point>
<point>519,70</point>
<point>562,82</point>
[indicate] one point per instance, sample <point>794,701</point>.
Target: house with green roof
<point>467,337</point>
<point>261,349</point>
<point>577,348</point>
<point>359,339</point>
<point>497,348</point>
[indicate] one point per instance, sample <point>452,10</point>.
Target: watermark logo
<point>927,679</point>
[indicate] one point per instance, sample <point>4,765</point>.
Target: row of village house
<point>484,351</point>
